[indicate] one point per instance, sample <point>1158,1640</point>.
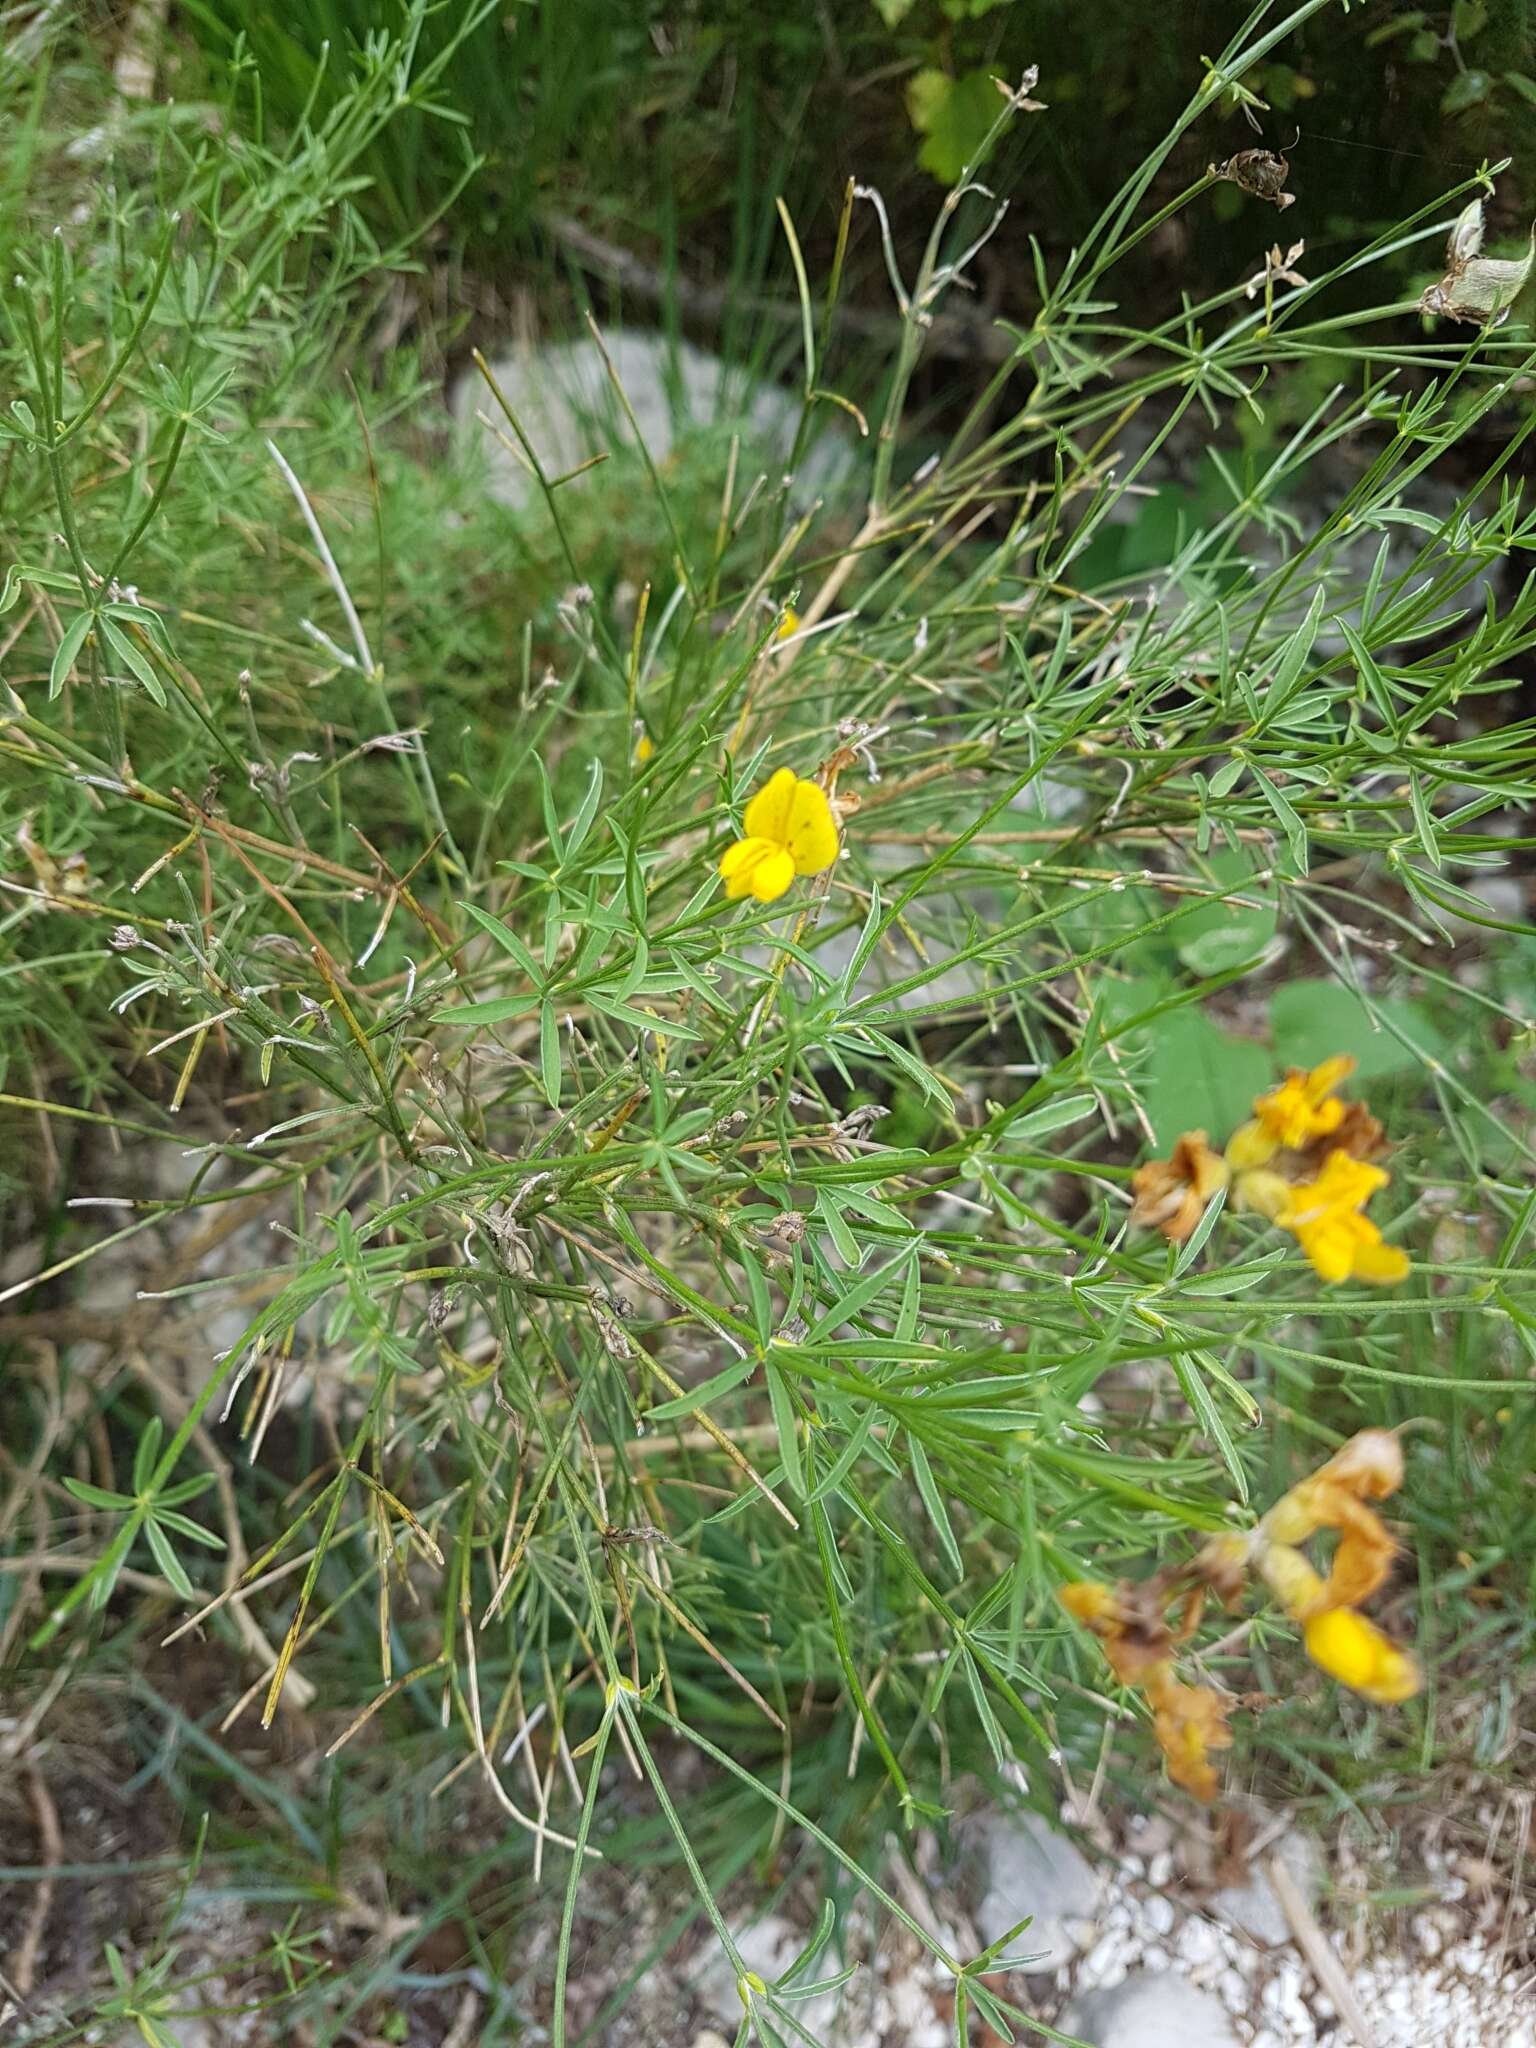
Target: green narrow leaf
<point>508,941</point>
<point>1293,657</point>
<point>757,1288</point>
<point>581,824</point>
<point>933,1503</point>
<point>1423,820</point>
<point>70,642</point>
<point>706,1391</point>
<point>1290,822</point>
<point>837,1229</point>
<point>549,1054</point>
<point>169,1563</point>
<point>96,1496</point>
<point>134,659</point>
<point>859,1296</point>
<point>146,1454</point>
<point>779,1399</point>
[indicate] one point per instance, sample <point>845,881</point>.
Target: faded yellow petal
<point>1299,1589</point>
<point>1250,1145</point>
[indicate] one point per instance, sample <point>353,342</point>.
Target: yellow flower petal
<point>1381,1265</point>
<point>768,813</point>
<point>1250,1145</point>
<point>740,862</point>
<point>812,834</point>
<point>1354,1651</point>
<point>772,875</point>
<point>1304,1106</point>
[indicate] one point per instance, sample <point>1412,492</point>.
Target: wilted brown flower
<point>1171,1194</point>
<point>1258,171</point>
<point>1188,1720</point>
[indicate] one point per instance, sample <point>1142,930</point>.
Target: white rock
<point>1031,1869</point>
<point>1151,2010</point>
<point>767,1946</point>
<point>565,403</point>
<point>1198,1941</point>
<point>1254,1906</point>
<point>1159,1915</point>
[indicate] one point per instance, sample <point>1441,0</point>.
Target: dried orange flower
<point>1188,1720</point>
<point>1171,1194</point>
<point>1141,1642</point>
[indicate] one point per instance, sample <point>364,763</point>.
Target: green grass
<point>644,1394</point>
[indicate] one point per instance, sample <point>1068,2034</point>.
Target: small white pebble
<point>1198,1942</point>
<point>1159,1915</point>
<point>1235,1992</point>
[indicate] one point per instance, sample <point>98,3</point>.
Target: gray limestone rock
<point>1151,2009</point>
<point>563,396</point>
<point>1030,1868</point>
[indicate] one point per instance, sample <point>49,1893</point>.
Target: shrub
<point>684,1323</point>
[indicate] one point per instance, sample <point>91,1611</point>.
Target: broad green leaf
<point>1201,1078</point>
<point>954,115</point>
<point>1221,935</point>
<point>1466,89</point>
<point>1311,1020</point>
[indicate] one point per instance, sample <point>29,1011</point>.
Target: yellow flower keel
<point>1356,1653</point>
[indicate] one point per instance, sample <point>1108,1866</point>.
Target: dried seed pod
<point>1260,172</point>
<point>1476,289</point>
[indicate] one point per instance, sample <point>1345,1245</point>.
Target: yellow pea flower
<point>1304,1106</point>
<point>790,830</point>
<point>1356,1653</point>
<point>789,625</point>
<point>645,748</point>
<point>1324,1216</point>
